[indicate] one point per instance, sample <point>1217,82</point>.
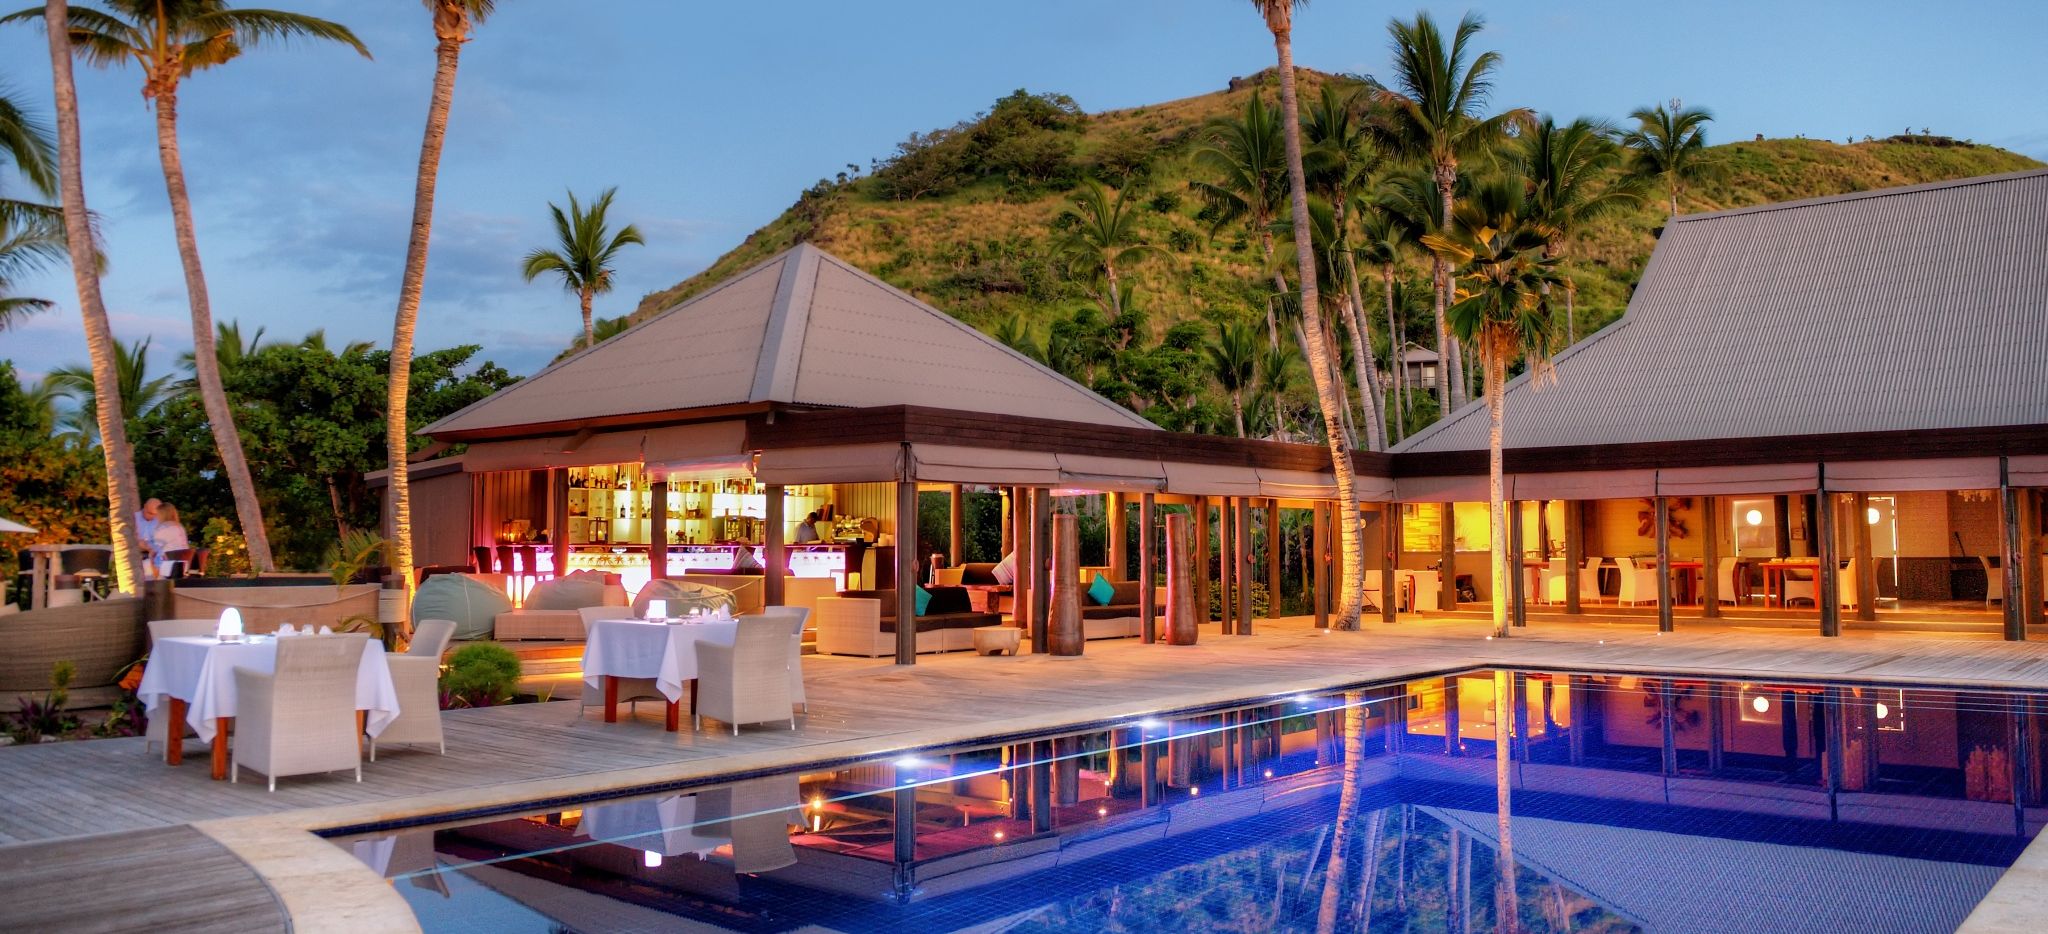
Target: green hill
<point>966,220</point>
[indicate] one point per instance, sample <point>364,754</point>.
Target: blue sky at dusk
<point>710,118</point>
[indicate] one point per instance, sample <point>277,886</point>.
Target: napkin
<point>287,629</point>
<point>324,630</point>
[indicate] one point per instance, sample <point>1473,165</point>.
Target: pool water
<point>1621,803</point>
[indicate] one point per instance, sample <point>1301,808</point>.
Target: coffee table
<point>997,640</point>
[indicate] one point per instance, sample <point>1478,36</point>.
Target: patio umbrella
<point>9,525</point>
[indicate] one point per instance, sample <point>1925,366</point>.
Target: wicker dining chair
<point>797,618</point>
<point>416,676</point>
<point>158,733</point>
<point>747,681</point>
<point>756,815</point>
<point>302,719</point>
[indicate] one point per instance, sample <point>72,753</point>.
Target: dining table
<point>192,679</point>
<point>1685,582</point>
<point>666,825</point>
<point>664,650</point>
<point>1774,577</point>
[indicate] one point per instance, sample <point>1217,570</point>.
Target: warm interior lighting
<point>657,609</point>
<point>1883,711</point>
<point>818,803</point>
<point>1194,791</point>
<point>1101,812</point>
<point>1871,514</point>
<point>650,859</point>
<point>1754,517</point>
<point>1760,704</point>
<point>230,625</point>
<point>1269,773</point>
<point>999,835</point>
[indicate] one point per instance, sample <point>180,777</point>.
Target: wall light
<point>1871,514</point>
<point>1754,517</point>
<point>1761,704</point>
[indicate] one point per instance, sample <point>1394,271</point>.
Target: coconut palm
<point>229,348</point>
<point>138,393</point>
<point>316,339</point>
<point>1276,379</point>
<point>169,40</point>
<point>1569,173</point>
<point>119,459</point>
<point>1250,161</point>
<point>25,142</point>
<point>28,243</point>
<point>1504,311</point>
<point>1279,19</point>
<point>453,20</point>
<point>1669,144</point>
<point>1102,232</point>
<point>1234,361</point>
<point>1345,159</point>
<point>1436,119</point>
<point>585,249</point>
<point>1383,237</point>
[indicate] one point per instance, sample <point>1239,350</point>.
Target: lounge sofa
<point>863,622</point>
<point>987,594</point>
<point>1119,619</point>
<point>556,622</point>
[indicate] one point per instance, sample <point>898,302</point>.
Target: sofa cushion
<point>1005,571</point>
<point>1128,593</point>
<point>471,603</point>
<point>924,601</point>
<point>978,572</point>
<point>949,621</point>
<point>1113,611</point>
<point>568,593</point>
<point>1101,591</point>
<point>944,600</point>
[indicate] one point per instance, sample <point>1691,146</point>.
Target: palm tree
<point>1251,163</point>
<point>229,347</point>
<point>1101,232</point>
<point>1234,361</point>
<point>587,247</point>
<point>1505,314</point>
<point>1570,181</point>
<point>1383,238</point>
<point>1436,119</point>
<point>1276,377</point>
<point>1015,333</point>
<point>171,39</point>
<point>122,491</point>
<point>137,393</point>
<point>1346,159</point>
<point>316,339</point>
<point>1669,144</point>
<point>1279,17</point>
<point>28,243</point>
<point>452,20</point>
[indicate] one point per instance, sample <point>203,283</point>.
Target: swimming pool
<point>1624,802</point>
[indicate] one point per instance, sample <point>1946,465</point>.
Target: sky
<point>711,117</point>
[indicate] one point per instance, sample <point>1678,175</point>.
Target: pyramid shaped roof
<point>804,327</point>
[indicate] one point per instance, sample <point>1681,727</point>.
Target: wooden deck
<point>192,884</point>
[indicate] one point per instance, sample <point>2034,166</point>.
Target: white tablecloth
<point>657,825</point>
<point>636,648</point>
<point>200,670</point>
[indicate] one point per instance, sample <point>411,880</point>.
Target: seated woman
<point>169,538</point>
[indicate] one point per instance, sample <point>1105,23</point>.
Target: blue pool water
<point>1623,803</point>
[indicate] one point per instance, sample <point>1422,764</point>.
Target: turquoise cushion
<point>568,593</point>
<point>1102,591</point>
<point>924,599</point>
<point>471,603</point>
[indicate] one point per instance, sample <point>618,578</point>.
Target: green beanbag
<point>471,603</point>
<point>568,593</point>
<point>683,597</point>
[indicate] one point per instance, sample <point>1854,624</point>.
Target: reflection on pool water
<point>1623,803</point>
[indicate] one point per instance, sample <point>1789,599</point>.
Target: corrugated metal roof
<point>803,327</point>
<point>1894,310</point>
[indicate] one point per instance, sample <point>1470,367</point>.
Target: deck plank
<point>165,879</point>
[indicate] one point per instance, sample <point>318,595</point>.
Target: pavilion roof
<point>804,327</point>
<point>1903,309</point>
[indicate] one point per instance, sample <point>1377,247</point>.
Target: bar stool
<point>529,562</point>
<point>508,561</point>
<point>486,563</point>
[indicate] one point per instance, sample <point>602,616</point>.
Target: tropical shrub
<point>35,718</point>
<point>479,675</point>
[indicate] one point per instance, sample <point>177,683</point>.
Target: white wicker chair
<point>631,690</point>
<point>301,720</point>
<point>416,676</point>
<point>755,814</point>
<point>1726,574</point>
<point>1994,582</point>
<point>1638,584</point>
<point>747,681</point>
<point>797,617</point>
<point>158,732</point>
<point>1589,581</point>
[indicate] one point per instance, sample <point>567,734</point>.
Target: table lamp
<point>657,609</point>
<point>230,625</point>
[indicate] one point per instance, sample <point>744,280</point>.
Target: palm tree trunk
<point>1350,596</point>
<point>1494,363</point>
<point>1368,368</point>
<point>1394,361</point>
<point>1447,354</point>
<point>122,491</point>
<point>397,433</point>
<point>1571,291</point>
<point>589,335</point>
<point>1116,298</point>
<point>1237,408</point>
<point>1453,355</point>
<point>205,362</point>
<point>1272,320</point>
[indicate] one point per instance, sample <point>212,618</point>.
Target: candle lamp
<point>230,629</point>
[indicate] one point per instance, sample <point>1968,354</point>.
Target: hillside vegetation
<point>967,217</point>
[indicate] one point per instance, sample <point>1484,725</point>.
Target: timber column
<point>1148,562</point>
<point>773,548</point>
<point>906,572</point>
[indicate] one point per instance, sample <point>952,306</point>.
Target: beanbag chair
<point>471,603</point>
<point>568,593</point>
<point>683,597</point>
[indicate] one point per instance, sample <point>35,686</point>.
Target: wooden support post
<point>1008,534</point>
<point>1319,545</point>
<point>1448,555</point>
<point>1454,744</point>
<point>1518,571</point>
<point>2010,554</point>
<point>956,523</point>
<point>1065,637</point>
<point>906,572</point>
<point>657,533</point>
<point>1390,552</point>
<point>1227,563</point>
<point>1717,726</point>
<point>1827,594</point>
<point>1020,542</point>
<point>1041,564</point>
<point>1710,557</point>
<point>1119,550</point>
<point>1663,520</point>
<point>2031,595</point>
<point>1148,562</point>
<point>1574,554</point>
<point>1243,559</point>
<point>1273,553</point>
<point>1859,554</point>
<point>558,519</point>
<point>774,550</point>
<point>1181,580</point>
<point>1667,708</point>
<point>903,820</point>
<point>1199,528</point>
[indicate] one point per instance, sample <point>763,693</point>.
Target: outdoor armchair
<point>302,719</point>
<point>796,618</point>
<point>416,676</point>
<point>1638,584</point>
<point>631,690</point>
<point>747,681</point>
